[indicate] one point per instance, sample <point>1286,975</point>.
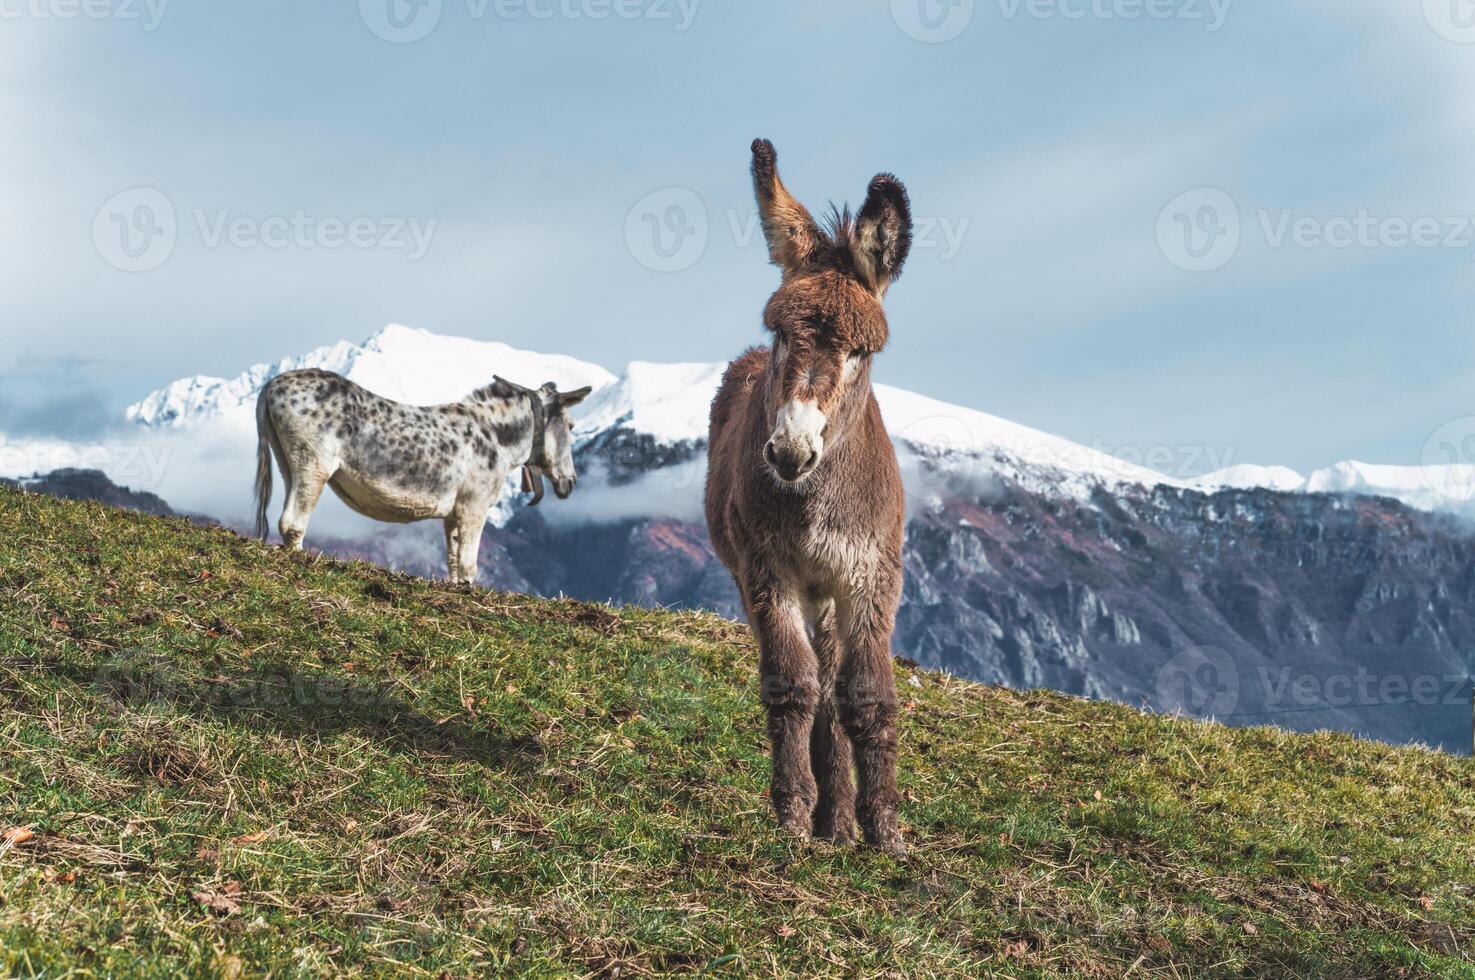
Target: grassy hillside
<point>220,759</point>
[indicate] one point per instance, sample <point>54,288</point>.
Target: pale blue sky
<point>1042,148</point>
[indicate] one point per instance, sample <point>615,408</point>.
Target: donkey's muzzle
<point>562,488</point>
<point>791,460</point>
<point>798,439</point>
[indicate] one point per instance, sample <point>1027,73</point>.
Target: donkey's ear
<point>571,398</point>
<point>793,237</point>
<point>883,233</point>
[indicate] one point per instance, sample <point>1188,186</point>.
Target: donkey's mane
<point>836,227</point>
<point>497,389</point>
<point>839,226</point>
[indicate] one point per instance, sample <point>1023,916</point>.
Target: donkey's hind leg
<point>829,746</point>
<point>304,490</point>
<point>867,701</point>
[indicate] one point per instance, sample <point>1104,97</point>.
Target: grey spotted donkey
<point>401,463</point>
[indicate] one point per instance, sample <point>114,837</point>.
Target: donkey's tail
<point>263,463</point>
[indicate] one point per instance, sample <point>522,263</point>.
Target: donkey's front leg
<point>453,550</point>
<point>867,695</point>
<point>790,688</point>
<point>463,538</point>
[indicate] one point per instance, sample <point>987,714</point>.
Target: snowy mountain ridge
<point>668,403</point>
<point>398,362</point>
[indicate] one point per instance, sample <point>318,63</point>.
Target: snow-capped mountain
<point>1449,487</point>
<point>649,421</point>
<point>398,362</point>
<point>1248,476</point>
<point>665,405</point>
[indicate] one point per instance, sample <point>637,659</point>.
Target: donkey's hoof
<point>838,836</point>
<point>795,831</point>
<point>888,842</point>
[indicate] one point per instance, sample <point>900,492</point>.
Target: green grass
<point>237,761</point>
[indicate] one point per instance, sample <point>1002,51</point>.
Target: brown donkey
<point>806,509</point>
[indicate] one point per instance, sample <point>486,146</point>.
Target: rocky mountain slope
<point>1254,594</point>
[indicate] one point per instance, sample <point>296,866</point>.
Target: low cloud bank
<point>212,472</point>
<point>672,492</point>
